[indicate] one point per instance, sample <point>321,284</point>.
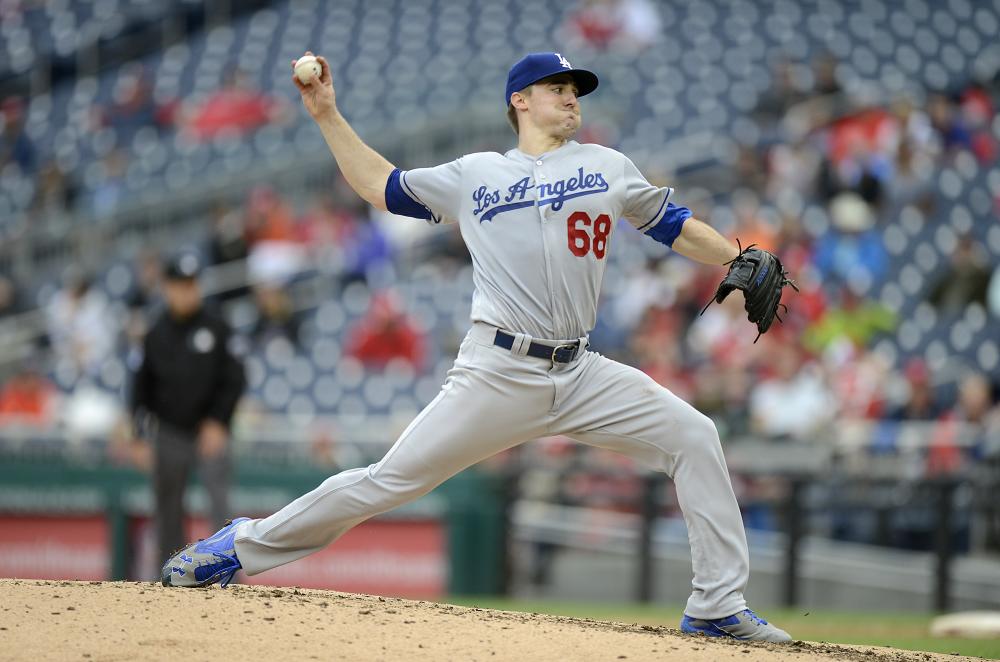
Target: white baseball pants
<point>494,399</point>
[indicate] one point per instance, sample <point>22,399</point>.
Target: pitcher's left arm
<point>700,242</point>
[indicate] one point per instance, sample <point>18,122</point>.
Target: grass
<point>900,630</point>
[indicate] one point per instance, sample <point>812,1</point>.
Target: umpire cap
<point>183,266</point>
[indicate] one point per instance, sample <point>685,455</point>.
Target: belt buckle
<point>572,346</point>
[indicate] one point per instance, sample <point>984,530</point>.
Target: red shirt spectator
<point>235,108</point>
<point>870,130</point>
<point>27,399</point>
<point>595,22</point>
<point>386,333</point>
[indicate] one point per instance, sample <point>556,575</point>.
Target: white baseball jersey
<point>538,228</point>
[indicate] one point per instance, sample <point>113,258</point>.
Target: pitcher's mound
<point>62,620</point>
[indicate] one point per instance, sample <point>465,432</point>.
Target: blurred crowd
<point>864,166</point>
<point>135,115</point>
<point>257,252</point>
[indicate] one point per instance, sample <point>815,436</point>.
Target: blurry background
<point>858,140</point>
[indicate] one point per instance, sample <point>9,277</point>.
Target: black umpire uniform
<point>185,390</point>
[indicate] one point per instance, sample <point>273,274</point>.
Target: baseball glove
<point>762,278</point>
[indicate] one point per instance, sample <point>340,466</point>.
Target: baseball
<point>307,67</point>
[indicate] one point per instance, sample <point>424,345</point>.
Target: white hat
<point>850,212</point>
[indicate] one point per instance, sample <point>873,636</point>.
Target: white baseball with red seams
<point>307,67</point>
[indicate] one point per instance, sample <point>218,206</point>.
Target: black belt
<point>558,354</point>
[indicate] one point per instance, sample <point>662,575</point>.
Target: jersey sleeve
<point>428,193</point>
<point>648,209</point>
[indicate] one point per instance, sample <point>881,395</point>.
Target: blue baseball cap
<point>533,67</point>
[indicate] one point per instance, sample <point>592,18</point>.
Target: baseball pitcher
<point>538,222</point>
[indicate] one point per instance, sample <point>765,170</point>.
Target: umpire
<point>183,397</point>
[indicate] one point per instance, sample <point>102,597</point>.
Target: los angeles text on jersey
<point>554,193</point>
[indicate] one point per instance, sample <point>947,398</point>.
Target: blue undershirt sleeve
<point>670,224</point>
<point>398,201</point>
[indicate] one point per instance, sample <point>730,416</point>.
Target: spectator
<point>228,246</point>
<point>56,192</point>
<point>132,105</point>
<point>28,399</point>
<point>858,377</point>
<point>593,23</point>
<point>919,403</point>
<point>976,107</point>
<point>913,125</point>
<point>269,217</point>
<point>782,94</point>
<point>640,25</point>
<point>609,336</point>
<point>751,225</point>
<point>855,322</point>
<point>750,169</point>
<point>793,402</point>
<point>79,326</point>
<point>911,182</point>
<point>852,251</point>
<point>276,317</point>
<point>822,104</point>
<point>368,249</point>
<point>948,123</point>
<point>384,334</point>
<point>227,240</point>
<point>624,25</point>
<point>15,145</point>
<point>975,400</point>
<point>236,109</point>
<point>791,168</point>
<point>969,420</point>
<point>656,349</point>
<point>720,333</point>
<point>446,250</point>
<point>966,279</point>
<point>109,189</point>
<point>721,392</point>
<point>275,252</point>
<point>794,246</point>
<point>645,286</point>
<point>857,160</point>
<point>825,75</point>
<point>327,230</point>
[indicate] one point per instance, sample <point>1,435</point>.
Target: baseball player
<point>538,222</point>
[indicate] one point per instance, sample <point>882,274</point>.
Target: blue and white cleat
<point>205,562</point>
<point>745,625</point>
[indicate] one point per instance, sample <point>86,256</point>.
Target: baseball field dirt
<point>64,620</point>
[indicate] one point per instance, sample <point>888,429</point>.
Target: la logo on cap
<point>564,62</point>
